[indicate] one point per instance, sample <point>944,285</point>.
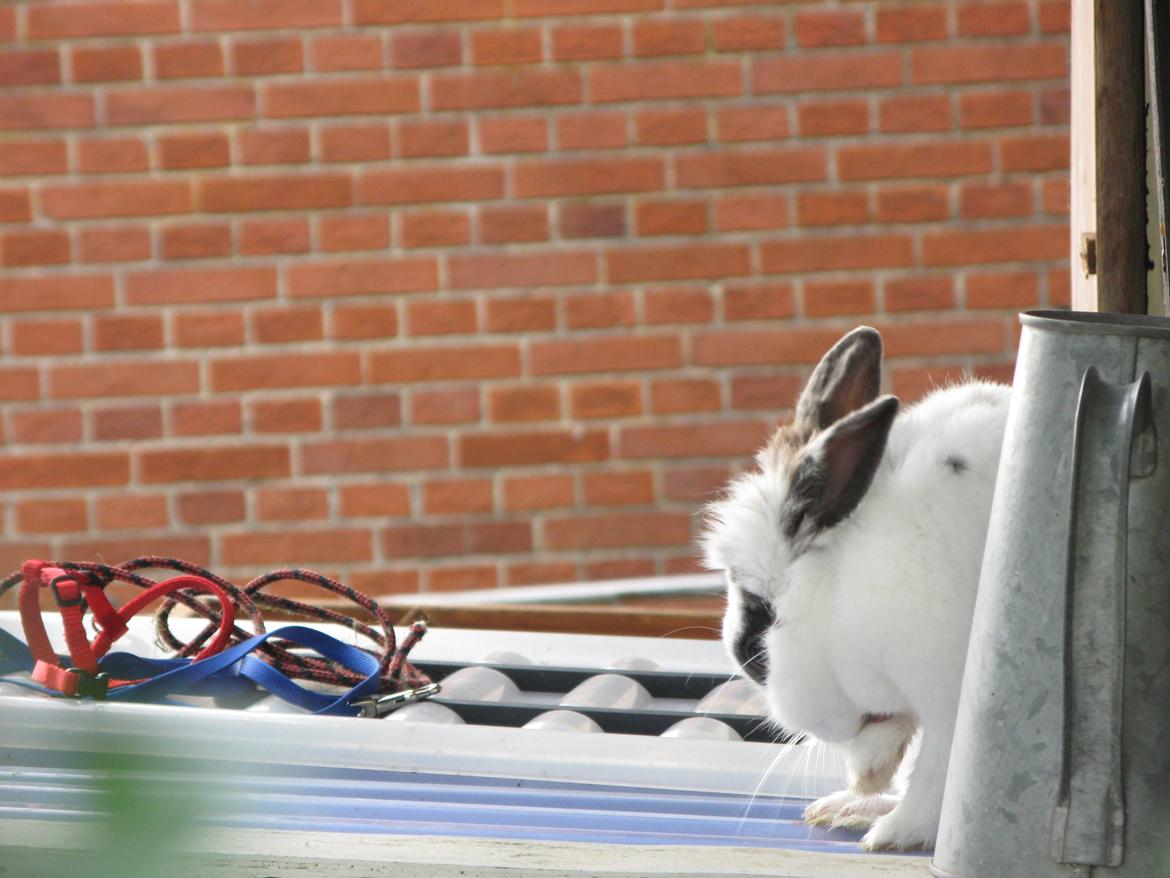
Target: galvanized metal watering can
<point>1061,757</point>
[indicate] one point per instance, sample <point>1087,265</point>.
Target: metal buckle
<point>91,685</point>
<point>375,706</point>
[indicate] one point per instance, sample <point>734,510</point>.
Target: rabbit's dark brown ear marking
<point>836,470</point>
<point>847,378</point>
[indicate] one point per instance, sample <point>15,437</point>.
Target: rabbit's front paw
<point>849,810</point>
<point>900,830</point>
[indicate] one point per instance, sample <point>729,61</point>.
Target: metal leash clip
<point>376,706</point>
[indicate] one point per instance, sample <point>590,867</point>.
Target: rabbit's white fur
<point>871,620</point>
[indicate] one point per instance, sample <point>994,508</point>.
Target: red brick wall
<point>453,293</point>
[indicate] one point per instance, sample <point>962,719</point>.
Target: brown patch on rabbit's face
<point>780,453</point>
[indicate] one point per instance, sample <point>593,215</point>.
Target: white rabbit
<point>852,556</point>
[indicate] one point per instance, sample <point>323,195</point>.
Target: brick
<point>523,8</point>
<point>457,497</point>
<point>112,155</point>
<point>46,337</point>
<point>213,464</point>
<point>374,500</point>
<point>354,232</point>
<point>188,60</point>
<point>109,379</point>
<point>196,241</point>
<point>347,52</point>
<point>618,530</point>
<point>375,455</point>
<point>444,406</point>
<point>283,325</point>
<point>480,272</point>
<point>531,448</point>
<point>740,213</point>
<point>625,568</point>
<point>1043,152</point>
<point>923,339</point>
<point>591,131</point>
<point>134,423</point>
<point>760,347</point>
<point>267,56</point>
<point>498,225</point>
<point>678,305</point>
<point>51,516</point>
<point>34,111</point>
<point>755,168</point>
<point>196,550</point>
<point>413,49</point>
<point>625,488</point>
<point>227,15</point>
<point>114,199</point>
<point>373,96</point>
<point>832,208</point>
<point>684,395</point>
<point>587,42</point>
<point>915,204</point>
<point>662,36</point>
<point>995,109</point>
<point>466,362</point>
<point>826,118</point>
<point>364,321</point>
<point>742,124</point>
<point>428,183</point>
<point>1055,106</point>
<point>56,293</point>
<point>915,113</point>
<point>211,507</point>
<point>337,545</point>
<point>908,24</point>
<point>51,427</point>
<point>34,247</point>
<point>667,80</point>
<point>198,329</point>
<point>677,263</point>
<point>187,286</point>
<point>15,206</point>
<point>30,67</point>
<point>68,469</point>
<point>524,403</point>
<point>114,244</point>
<point>932,159</point>
<point>19,383</point>
<point>1054,16</point>
<point>413,11</point>
<point>510,46</point>
<point>494,537</point>
<point>764,392</point>
<point>33,157</point>
<point>200,149</point>
<point>546,491</point>
<point>988,63</point>
<point>206,418</point>
<point>433,137</point>
<point>8,24</point>
<point>291,504</point>
<point>158,106</point>
<point>367,411</point>
<point>592,220</point>
<point>274,147</point>
<point>817,29</point>
<point>828,254</point>
<point>919,293</point>
<point>441,318</point>
<point>672,218</point>
<point>513,134</point>
<point>67,20</point>
<point>128,332</point>
<point>540,573</point>
<point>1056,197</point>
<point>993,19</point>
<point>832,299</point>
<point>726,439</point>
<point>489,89</point>
<point>132,512</point>
<point>596,310</point>
<point>362,277</point>
<point>748,33</point>
<point>263,237</point>
<point>355,143</point>
<point>1016,290</point>
<point>827,72</point>
<point>1027,244</point>
<point>694,483</point>
<point>233,374</point>
<point>612,354</point>
<point>671,127</point>
<point>528,314</point>
<point>979,201</point>
<point>105,63</point>
<point>287,415</point>
<point>274,192</point>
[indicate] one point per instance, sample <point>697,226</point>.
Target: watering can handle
<point>1112,444</point>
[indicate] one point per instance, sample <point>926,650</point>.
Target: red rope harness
<point>81,585</point>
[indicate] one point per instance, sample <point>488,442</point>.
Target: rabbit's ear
<point>847,377</point>
<point>836,469</point>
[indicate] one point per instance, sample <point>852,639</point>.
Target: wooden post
<point>1121,156</point>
